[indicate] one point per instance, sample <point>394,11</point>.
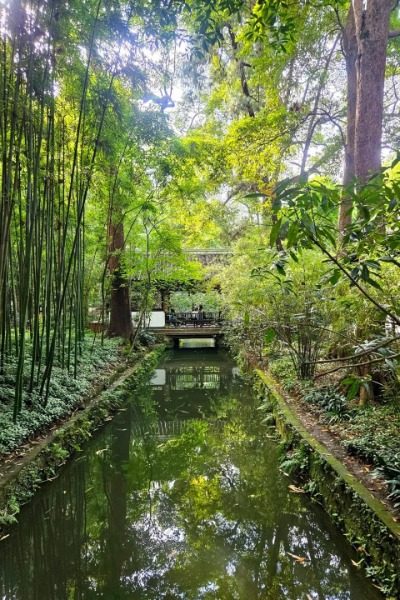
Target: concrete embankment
<point>365,521</point>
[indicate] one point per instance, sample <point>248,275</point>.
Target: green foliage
<point>8,514</point>
<point>58,452</point>
<point>66,394</point>
<point>183,302</point>
<point>330,400</point>
<point>306,219</point>
<point>372,434</point>
<point>296,462</point>
<point>278,314</point>
<point>283,369</point>
<point>146,338</point>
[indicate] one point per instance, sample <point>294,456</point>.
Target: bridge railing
<point>194,319</point>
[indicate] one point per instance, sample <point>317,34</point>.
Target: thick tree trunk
<point>165,300</point>
<point>372,30</point>
<point>120,310</point>
<point>350,53</point>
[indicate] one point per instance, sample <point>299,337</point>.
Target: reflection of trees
<point>240,524</point>
<point>116,493</point>
<point>43,554</point>
<point>204,514</point>
<point>216,521</point>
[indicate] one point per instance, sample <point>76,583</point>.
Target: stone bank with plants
<point>40,458</point>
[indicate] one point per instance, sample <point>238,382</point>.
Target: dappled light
<point>193,192</point>
<point>177,499</point>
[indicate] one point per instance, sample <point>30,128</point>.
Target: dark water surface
<point>180,496</point>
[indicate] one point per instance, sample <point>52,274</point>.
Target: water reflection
<point>166,504</point>
<point>189,378</point>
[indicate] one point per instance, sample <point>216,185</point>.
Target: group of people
<point>197,316</point>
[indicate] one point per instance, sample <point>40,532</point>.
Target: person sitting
<point>194,315</point>
<point>200,316</point>
<point>172,318</point>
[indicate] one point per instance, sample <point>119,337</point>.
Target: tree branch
<point>354,282</point>
<point>359,354</point>
<point>357,365</point>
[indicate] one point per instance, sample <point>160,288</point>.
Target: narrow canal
<point>180,496</point>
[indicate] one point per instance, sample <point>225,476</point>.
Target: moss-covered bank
<point>363,519</point>
<point>42,464</point>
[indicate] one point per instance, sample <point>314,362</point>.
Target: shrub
<point>330,400</point>
<point>283,369</point>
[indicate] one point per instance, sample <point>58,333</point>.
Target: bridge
<point>189,325</point>
<point>193,324</point>
<point>177,326</point>
<point>180,333</point>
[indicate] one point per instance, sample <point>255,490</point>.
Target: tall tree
<point>365,39</point>
<point>372,31</point>
<point>349,44</point>
<point>120,309</point>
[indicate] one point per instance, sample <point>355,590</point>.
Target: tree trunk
<point>372,30</point>
<point>242,72</point>
<point>120,309</point>
<point>165,300</point>
<point>350,54</point>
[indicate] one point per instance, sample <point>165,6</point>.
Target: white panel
<point>159,377</point>
<point>154,319</point>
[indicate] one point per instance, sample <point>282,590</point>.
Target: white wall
<point>154,319</point>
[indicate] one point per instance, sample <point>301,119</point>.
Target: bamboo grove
<point>57,89</point>
<point>42,201</point>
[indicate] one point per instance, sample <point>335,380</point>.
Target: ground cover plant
<point>66,394</point>
<point>372,435</point>
<point>368,432</point>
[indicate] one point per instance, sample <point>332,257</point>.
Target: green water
<point>180,496</point>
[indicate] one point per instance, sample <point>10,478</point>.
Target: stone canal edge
<point>41,462</point>
<point>364,520</point>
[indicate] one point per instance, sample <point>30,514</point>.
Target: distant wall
<point>154,319</point>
